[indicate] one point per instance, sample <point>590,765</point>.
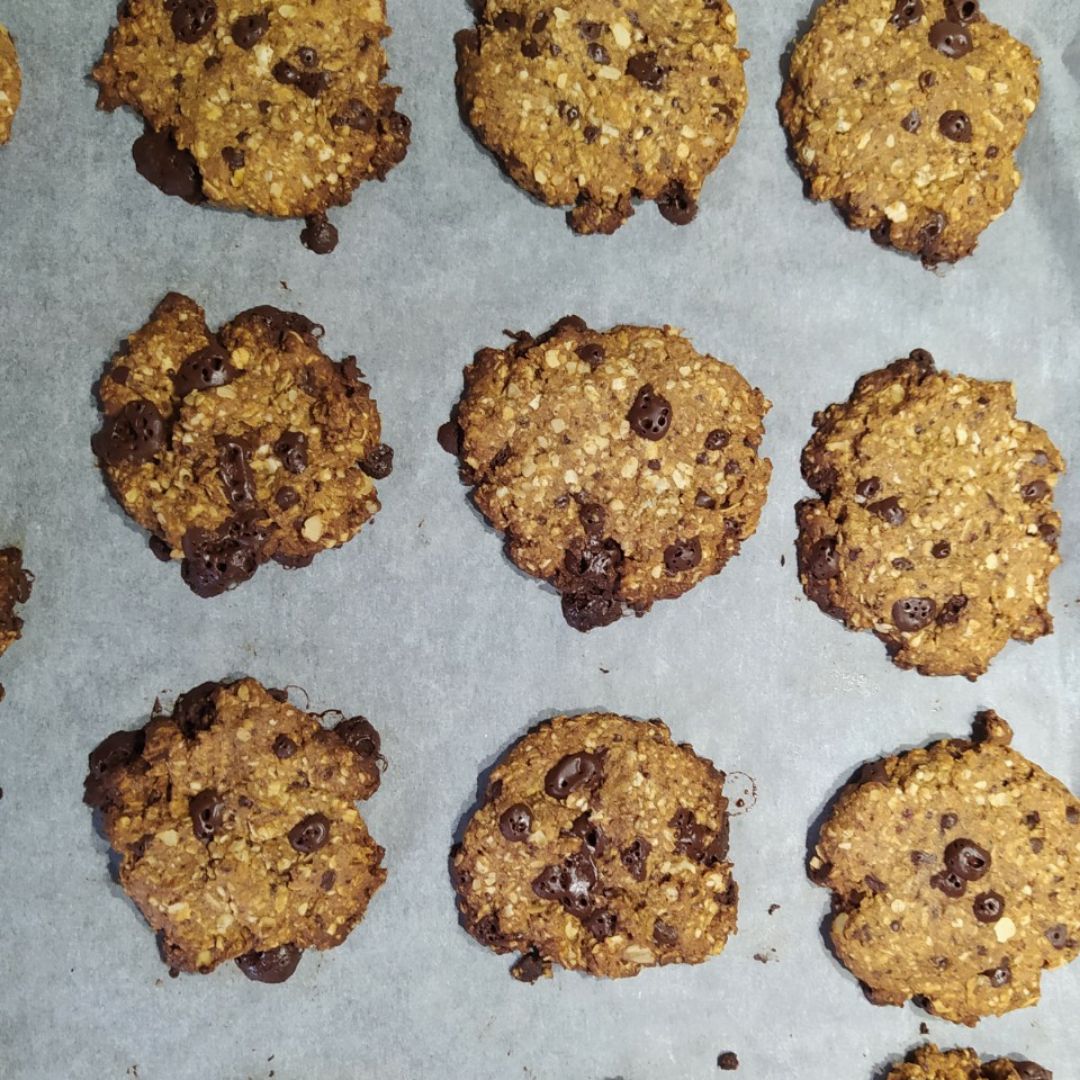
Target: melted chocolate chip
<point>170,169</point>
<point>379,464</point>
<point>311,834</point>
<point>291,450</point>
<point>283,747</point>
<point>704,500</point>
<point>160,548</point>
<point>1058,936</point>
<point>590,31</point>
<point>272,966</point>
<point>913,613</point>
<point>868,488</point>
<point>950,39</point>
<point>948,821</point>
<point>286,497</point>
<point>635,857</point>
<point>602,924</point>
<point>528,968</point>
<point>903,564</point>
<point>598,54</point>
<point>927,80</point>
<point>218,560</point>
<point>664,934</point>
<point>889,510</point>
<point>234,471</point>
<point>234,159</point>
<point>588,581</point>
<point>676,204</point>
<point>488,932</point>
<point>204,370</point>
<point>691,836</point>
<point>359,735</point>
<point>134,434</point>
<point>248,30</point>
<point>682,555</point>
<point>515,822</point>
<point>951,609</point>
<point>590,133</point>
<point>590,833</point>
<point>956,125</point>
<point>569,884</point>
<point>717,439</point>
<point>1001,975</point>
<point>207,810</point>
<point>906,13</point>
<point>196,710</point>
<point>574,772</point>
<point>307,56</point>
<point>967,859</point>
<point>318,235</point>
<point>941,550</point>
<point>912,122</point>
<point>950,883</point>
<point>988,907</point>
<point>119,749</point>
<point>591,353</point>
<point>962,11</point>
<point>1036,490</point>
<point>354,114</point>
<point>326,882</point>
<point>192,20</point>
<point>650,415</point>
<point>644,68</point>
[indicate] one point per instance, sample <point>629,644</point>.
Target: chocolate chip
<point>889,510</point>
<point>591,133</point>
<point>950,883</point>
<point>728,1061</point>
<point>272,966</point>
<point>528,968</point>
<point>922,858</point>
<point>207,811</point>
<point>590,31</point>
<point>956,125</point>
<point>574,772</point>
<point>134,434</point>
<point>927,80</point>
<point>868,488</point>
<point>568,112</point>
<point>951,609</point>
<point>204,370</point>
<point>1036,490</point>
<point>590,833</point>
<point>704,500</point>
<point>234,159</point>
<point>234,471</point>
<point>598,54</point>
<point>1058,936</point>
<point>912,122</point>
<point>989,907</point>
<point>530,48</point>
<point>906,13</point>
<point>569,884</point>
<point>379,463</point>
<point>881,233</point>
<point>515,822</point>
<point>193,19</point>
<point>951,40</point>
<point>509,20</point>
<point>286,497</point>
<point>650,415</point>
<point>326,882</point>
<point>591,353</point>
<point>941,550</point>
<point>540,22</point>
<point>487,931</point>
<point>588,580</point>
<point>682,555</point>
<point>602,924</point>
<point>291,450</point>
<point>196,710</point>
<point>307,56</point>
<point>913,613</point>
<point>449,437</point>
<point>690,834</point>
<point>664,934</point>
<point>161,548</point>
<point>354,114</point>
<point>282,326</point>
<point>283,747</point>
<point>311,834</point>
<point>1033,819</point>
<point>318,234</point>
<point>170,169</point>
<point>635,857</point>
<point>676,204</point>
<point>999,976</point>
<point>644,68</point>
<point>359,735</point>
<point>967,859</point>
<point>962,11</point>
<point>218,560</point>
<point>248,30</point>
<point>948,821</point>
<point>901,563</point>
<point>119,749</point>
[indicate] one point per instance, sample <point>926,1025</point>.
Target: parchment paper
<point>423,625</point>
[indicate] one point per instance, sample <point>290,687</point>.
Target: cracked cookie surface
<point>280,110</point>
<point>930,1063</point>
<point>935,525</point>
<point>595,104</point>
<point>238,447</point>
<point>956,876</point>
<point>10,84</point>
<point>907,114</point>
<point>601,846</point>
<point>236,824</point>
<point>622,466</point>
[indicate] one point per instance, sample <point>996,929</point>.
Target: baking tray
<point>422,623</point>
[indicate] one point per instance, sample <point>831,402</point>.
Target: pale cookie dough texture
<point>956,876</point>
<point>907,114</point>
<point>594,103</point>
<point>930,1063</point>
<point>600,845</point>
<point>236,826</point>
<point>935,526</point>
<point>10,84</point>
<point>241,446</point>
<point>622,466</point>
<point>279,109</point>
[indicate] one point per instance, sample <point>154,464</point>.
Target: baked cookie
<point>602,846</point>
<point>235,822</point>
<point>10,84</point>
<point>592,105</point>
<point>930,1063</point>
<point>236,447</point>
<point>935,525</point>
<point>956,876</point>
<point>622,466</point>
<point>15,584</point>
<point>277,109</point>
<point>907,114</point>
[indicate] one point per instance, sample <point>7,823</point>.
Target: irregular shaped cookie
<point>278,109</point>
<point>956,876</point>
<point>592,105</point>
<point>239,446</point>
<point>10,84</point>
<point>601,846</point>
<point>15,584</point>
<point>622,466</point>
<point>935,526</point>
<point>930,1063</point>
<point>236,826</point>
<point>907,114</point>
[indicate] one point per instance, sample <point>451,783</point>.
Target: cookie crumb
<point>728,1061</point>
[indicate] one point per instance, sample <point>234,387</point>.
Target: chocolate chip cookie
<point>236,447</point>
<point>10,84</point>
<point>592,105</point>
<point>930,1063</point>
<point>622,466</point>
<point>235,823</point>
<point>15,584</point>
<point>277,109</point>
<point>956,876</point>
<point>935,525</point>
<point>602,846</point>
<point>907,114</point>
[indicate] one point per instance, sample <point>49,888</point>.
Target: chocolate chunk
<point>575,772</point>
<point>311,834</point>
<point>951,609</point>
<point>868,488</point>
<point>569,884</point>
<point>219,560</point>
<point>941,550</point>
<point>965,858</point>
<point>889,510</point>
<point>951,40</point>
<point>913,613</point>
<point>528,968</point>
<point>704,500</point>
<point>592,353</point>
<point>956,125</point>
<point>691,836</point>
<point>682,555</point>
<point>318,235</point>
<point>590,833</point>
<point>248,30</point>
<point>515,822</point>
<point>291,450</point>
<point>988,907</point>
<point>717,439</point>
<point>379,464</point>
<point>912,122</point>
<point>204,370</point>
<point>119,749</point>
<point>359,735</point>
<point>588,580</point>
<point>650,415</point>
<point>906,13</point>
<point>286,497</point>
<point>664,934</point>
<point>950,883</point>
<point>676,204</point>
<point>635,857</point>
<point>354,114</point>
<point>644,68</point>
<point>729,1061</point>
<point>131,436</point>
<point>207,810</point>
<point>192,20</point>
<point>488,932</point>
<point>1036,490</point>
<point>602,924</point>
<point>962,11</point>
<point>196,710</point>
<point>234,471</point>
<point>284,747</point>
<point>170,169</point>
<point>272,966</point>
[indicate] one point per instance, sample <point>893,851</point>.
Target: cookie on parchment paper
<point>10,84</point>
<point>622,466</point>
<point>241,446</point>
<point>601,845</point>
<point>15,585</point>
<point>930,1063</point>
<point>236,825</point>
<point>907,114</point>
<point>593,105</point>
<point>934,525</point>
<point>955,871</point>
<point>279,109</point>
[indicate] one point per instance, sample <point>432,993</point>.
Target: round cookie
<point>15,585</point>
<point>955,871</point>
<point>622,466</point>
<point>236,826</point>
<point>592,105</point>
<point>241,446</point>
<point>10,84</point>
<point>601,846</point>
<point>907,114</point>
<point>279,109</point>
<point>935,525</point>
<point>930,1063</point>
